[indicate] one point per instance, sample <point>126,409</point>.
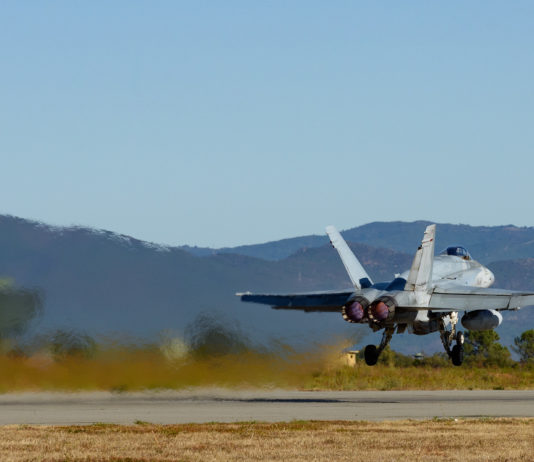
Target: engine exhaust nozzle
<point>355,311</point>
<point>382,310</point>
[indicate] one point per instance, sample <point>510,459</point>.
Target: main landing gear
<point>453,342</point>
<point>456,353</point>
<point>371,352</point>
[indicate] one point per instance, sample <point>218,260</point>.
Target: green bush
<point>482,349</point>
<point>524,346</point>
<point>63,344</point>
<point>210,336</point>
<point>436,360</point>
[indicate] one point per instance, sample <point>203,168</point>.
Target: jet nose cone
<point>491,277</point>
<point>486,278</point>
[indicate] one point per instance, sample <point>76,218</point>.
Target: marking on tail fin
<point>357,273</point>
<point>421,271</point>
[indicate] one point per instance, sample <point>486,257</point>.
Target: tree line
<point>482,349</point>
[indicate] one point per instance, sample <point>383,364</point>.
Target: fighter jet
<point>426,298</point>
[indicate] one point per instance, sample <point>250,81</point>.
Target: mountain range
<point>104,283</point>
<point>486,243</point>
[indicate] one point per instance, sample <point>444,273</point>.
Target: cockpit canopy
<point>457,251</point>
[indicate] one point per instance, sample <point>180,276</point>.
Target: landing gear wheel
<point>460,337</point>
<point>371,355</point>
<point>457,355</point>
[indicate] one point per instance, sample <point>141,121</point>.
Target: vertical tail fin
<point>357,274</point>
<point>421,271</point>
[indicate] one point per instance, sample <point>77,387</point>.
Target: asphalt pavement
<point>215,405</point>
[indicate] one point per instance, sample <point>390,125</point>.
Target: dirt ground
<point>466,440</point>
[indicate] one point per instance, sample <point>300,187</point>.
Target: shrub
<point>62,344</point>
<point>524,346</point>
<point>208,336</point>
<point>482,348</point>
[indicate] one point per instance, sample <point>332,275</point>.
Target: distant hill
<point>103,283</point>
<point>486,243</point>
<point>276,250</point>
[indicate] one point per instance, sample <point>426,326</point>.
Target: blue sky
<point>225,123</point>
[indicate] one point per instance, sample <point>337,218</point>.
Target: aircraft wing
<point>328,301</point>
<point>464,298</point>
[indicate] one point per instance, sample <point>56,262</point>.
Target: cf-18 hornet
<point>424,299</point>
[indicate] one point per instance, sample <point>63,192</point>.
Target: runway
<point>271,406</point>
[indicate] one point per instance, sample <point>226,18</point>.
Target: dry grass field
<point>469,440</point>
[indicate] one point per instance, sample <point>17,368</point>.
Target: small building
<point>419,356</point>
<point>350,357</point>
